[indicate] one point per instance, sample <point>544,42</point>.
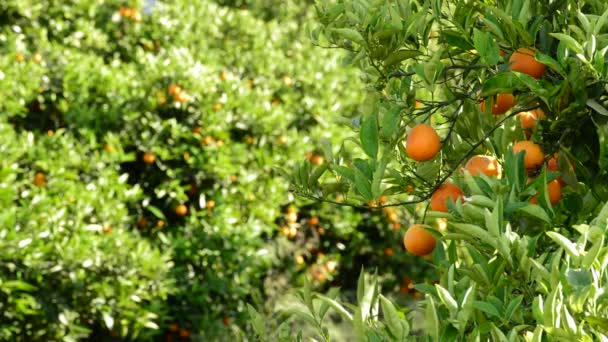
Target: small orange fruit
<point>39,179</point>
<point>182,97</point>
<point>534,156</point>
<point>484,164</point>
<point>554,189</point>
<point>502,103</point>
<point>107,229</point>
<point>37,58</point>
<point>440,196</point>
<point>392,217</point>
<point>226,320</point>
<point>422,143</point>
<point>388,252</point>
<point>292,217</point>
<point>19,57</point>
<point>184,333</point>
<point>313,221</point>
<point>317,159</point>
<point>175,89</point>
<point>523,61</point>
<point>136,17</point>
<point>149,157</point>
<point>418,241</point>
<point>285,230</point>
<point>126,12</point>
<point>210,204</point>
<point>553,166</point>
<point>208,140</point>
<point>181,210</point>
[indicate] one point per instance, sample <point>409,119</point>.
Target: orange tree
<point>137,180</point>
<point>522,257</point>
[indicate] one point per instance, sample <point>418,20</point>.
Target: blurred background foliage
<point>139,194</point>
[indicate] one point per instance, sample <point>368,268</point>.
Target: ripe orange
<point>181,210</point>
<point>210,204</point>
<point>182,97</point>
<point>534,156</point>
<point>19,57</point>
<point>107,229</point>
<point>553,166</point>
<point>502,103</point>
<point>37,58</point>
<point>393,217</point>
<point>523,61</point>
<point>317,159</point>
<point>528,119</point>
<point>389,252</point>
<point>555,192</point>
<point>39,179</point>
<point>485,164</point>
<point>440,196</point>
<point>149,158</point>
<point>418,241</point>
<point>422,143</point>
<point>226,320</point>
<point>160,224</point>
<point>208,140</point>
<point>184,334</point>
<point>313,221</point>
<point>174,89</point>
<point>292,217</point>
<point>136,17</point>
<point>126,12</point>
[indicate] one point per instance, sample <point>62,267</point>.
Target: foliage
<point>86,100</point>
<point>513,267</point>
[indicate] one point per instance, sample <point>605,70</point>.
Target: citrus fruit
<point>554,189</point>
<point>418,241</point>
<point>502,103</point>
<point>523,61</point>
<point>484,164</point>
<point>441,195</point>
<point>534,156</point>
<point>181,210</point>
<point>422,143</point>
<point>149,158</point>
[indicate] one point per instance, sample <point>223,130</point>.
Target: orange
<point>126,12</point>
<point>555,192</point>
<point>534,156</point>
<point>210,204</point>
<point>107,229</point>
<point>528,119</point>
<point>182,97</point>
<point>19,57</point>
<point>184,333</point>
<point>523,61</point>
<point>422,143</point>
<point>313,221</point>
<point>317,159</point>
<point>392,217</point>
<point>37,58</point>
<point>502,103</point>
<point>181,210</point>
<point>440,196</point>
<point>553,166</point>
<point>226,321</point>
<point>484,164</point>
<point>418,241</point>
<point>175,89</point>
<point>136,17</point>
<point>292,217</point>
<point>149,158</point>
<point>39,179</point>
<point>389,252</point>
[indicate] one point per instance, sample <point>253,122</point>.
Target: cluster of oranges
<point>423,144</point>
<point>130,13</point>
<point>178,93</point>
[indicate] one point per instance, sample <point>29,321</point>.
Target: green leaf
<point>398,327</point>
<point>431,320</point>
<point>593,104</point>
<point>390,122</point>
<point>350,34</point>
<point>566,244</point>
<point>486,47</point>
<point>336,306</point>
<point>536,212</point>
<point>369,135</point>
<point>108,320</point>
<point>156,212</point>
<point>570,42</point>
<point>486,307</point>
<point>399,56</point>
<point>363,185</point>
<point>447,299</point>
<point>579,278</point>
<point>593,253</point>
